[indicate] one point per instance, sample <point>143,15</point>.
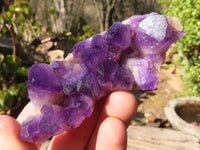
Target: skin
<point>106,129</point>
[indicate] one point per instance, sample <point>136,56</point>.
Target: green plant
<point>12,96</point>
<point>188,47</point>
<point>13,82</point>
<point>192,77</point>
<point>86,33</point>
<point>7,98</point>
<point>81,34</point>
<point>19,21</point>
<point>10,65</point>
<point>53,16</point>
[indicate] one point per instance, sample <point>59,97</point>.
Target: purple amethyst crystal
<point>126,56</point>
<point>119,34</point>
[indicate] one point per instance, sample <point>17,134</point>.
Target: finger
<point>111,135</point>
<point>120,105</point>
<point>9,135</point>
<point>77,139</point>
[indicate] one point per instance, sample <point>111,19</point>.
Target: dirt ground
<point>153,102</point>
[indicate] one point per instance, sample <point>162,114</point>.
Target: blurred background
<point>35,31</point>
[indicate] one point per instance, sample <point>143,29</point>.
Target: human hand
<point>105,129</point>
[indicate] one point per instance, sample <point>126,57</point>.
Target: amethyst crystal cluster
<point>126,56</point>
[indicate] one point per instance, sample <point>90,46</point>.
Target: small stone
<point>56,55</point>
<point>43,48</point>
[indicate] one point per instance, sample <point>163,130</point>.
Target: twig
<point>13,39</point>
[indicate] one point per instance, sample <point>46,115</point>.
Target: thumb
<point>9,135</point>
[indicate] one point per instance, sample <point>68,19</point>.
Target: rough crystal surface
<point>126,56</point>
<point>119,34</point>
<point>154,28</point>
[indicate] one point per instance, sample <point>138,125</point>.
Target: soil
<point>151,103</point>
